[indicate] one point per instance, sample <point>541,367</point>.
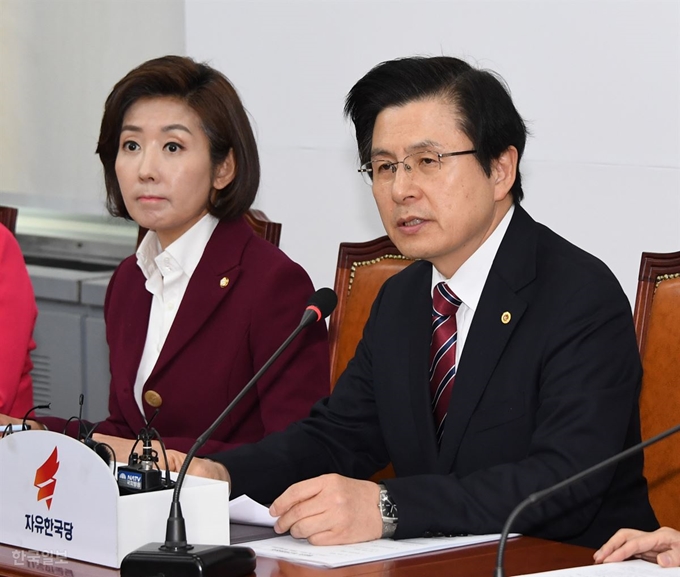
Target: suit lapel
<point>513,268</point>
<point>212,282</point>
<point>419,328</point>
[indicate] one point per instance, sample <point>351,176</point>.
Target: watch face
<point>388,508</point>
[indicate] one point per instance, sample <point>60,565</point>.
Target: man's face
<point>445,215</point>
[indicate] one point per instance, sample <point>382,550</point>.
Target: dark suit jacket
<point>219,339</point>
<point>535,400</point>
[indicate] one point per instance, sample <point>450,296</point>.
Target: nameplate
<point>59,496</point>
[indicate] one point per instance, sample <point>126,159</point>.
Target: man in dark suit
<point>543,372</point>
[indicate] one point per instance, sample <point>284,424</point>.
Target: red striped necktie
<point>443,352</point>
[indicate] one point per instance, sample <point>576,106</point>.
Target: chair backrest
<point>362,269</point>
<point>8,217</point>
<point>263,227</point>
<point>258,221</point>
<point>657,324</point>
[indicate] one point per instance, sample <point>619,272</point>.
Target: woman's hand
<point>7,420</point>
<point>199,467</point>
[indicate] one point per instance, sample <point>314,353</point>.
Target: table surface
<point>523,555</point>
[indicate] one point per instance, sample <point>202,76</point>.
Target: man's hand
<point>330,510</point>
<point>662,546</point>
<point>7,420</point>
<point>199,467</point>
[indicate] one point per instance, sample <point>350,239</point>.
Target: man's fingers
<point>656,546</point>
<point>297,493</point>
<point>309,508</point>
<point>310,526</point>
<point>329,509</point>
<point>670,558</point>
<point>613,546</point>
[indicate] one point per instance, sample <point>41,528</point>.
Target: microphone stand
<point>176,557</point>
<point>540,495</point>
<point>175,539</point>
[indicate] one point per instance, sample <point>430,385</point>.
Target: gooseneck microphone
<point>175,556</point>
<point>10,428</point>
<point>540,495</point>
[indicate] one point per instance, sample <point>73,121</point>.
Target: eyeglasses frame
<point>365,169</point>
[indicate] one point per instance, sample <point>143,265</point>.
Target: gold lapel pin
<point>506,317</point>
<point>224,281</point>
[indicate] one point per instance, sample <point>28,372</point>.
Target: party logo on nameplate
<point>45,478</point>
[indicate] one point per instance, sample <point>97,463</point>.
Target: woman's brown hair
<point>224,120</point>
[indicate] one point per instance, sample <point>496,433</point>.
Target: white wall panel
<point>597,81</point>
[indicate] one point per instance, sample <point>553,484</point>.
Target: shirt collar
<point>468,281</point>
<point>186,251</point>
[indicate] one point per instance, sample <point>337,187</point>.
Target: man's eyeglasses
<point>380,172</point>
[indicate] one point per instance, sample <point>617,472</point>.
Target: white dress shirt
<point>468,281</point>
<point>167,275</point>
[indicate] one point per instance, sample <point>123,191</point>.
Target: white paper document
<point>636,568</point>
<point>300,551</point>
<point>244,510</point>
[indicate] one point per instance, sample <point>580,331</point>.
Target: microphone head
<point>322,302</point>
<point>100,449</point>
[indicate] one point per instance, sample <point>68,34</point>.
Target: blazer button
<point>153,399</point>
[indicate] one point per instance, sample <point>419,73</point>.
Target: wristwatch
<point>388,512</point>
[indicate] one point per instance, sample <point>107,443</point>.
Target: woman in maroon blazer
<point>204,303</point>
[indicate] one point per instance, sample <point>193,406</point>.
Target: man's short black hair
<point>488,116</point>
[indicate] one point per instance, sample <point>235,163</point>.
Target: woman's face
<point>164,169</point>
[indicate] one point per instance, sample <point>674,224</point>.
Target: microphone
<point>11,428</point>
<point>319,306</point>
<point>84,436</point>
<point>176,556</point>
<point>540,495</point>
<point>142,473</point>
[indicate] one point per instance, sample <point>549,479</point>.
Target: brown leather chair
<point>657,324</point>
<point>8,217</point>
<point>258,221</point>
<point>362,269</point>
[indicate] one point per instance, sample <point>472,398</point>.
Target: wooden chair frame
<point>351,256</point>
<point>654,269</point>
<point>8,217</point>
<point>657,328</point>
<point>258,221</point>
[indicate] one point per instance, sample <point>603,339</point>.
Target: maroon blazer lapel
<point>130,334</point>
<point>212,281</point>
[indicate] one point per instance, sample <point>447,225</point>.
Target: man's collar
<point>469,280</point>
